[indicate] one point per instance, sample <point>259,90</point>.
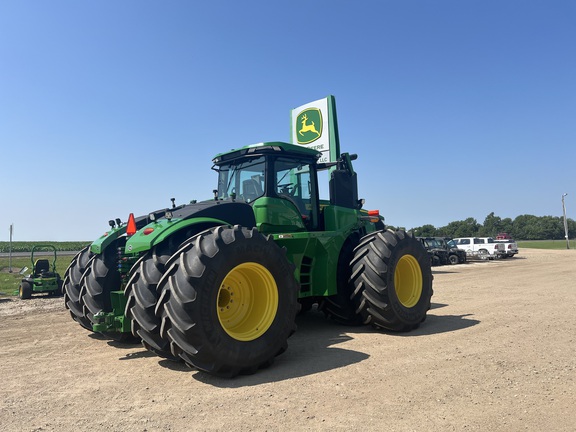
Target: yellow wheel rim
<point>247,301</point>
<point>408,281</point>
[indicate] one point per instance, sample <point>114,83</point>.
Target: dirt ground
<point>497,353</point>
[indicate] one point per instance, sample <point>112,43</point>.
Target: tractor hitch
<point>114,321</point>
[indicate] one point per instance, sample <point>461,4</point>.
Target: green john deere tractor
<point>218,283</point>
<point>43,278</point>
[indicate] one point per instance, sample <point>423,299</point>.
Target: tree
<point>523,227</point>
<point>425,231</point>
<point>550,227</point>
<point>506,225</point>
<point>491,227</point>
<point>465,228</point>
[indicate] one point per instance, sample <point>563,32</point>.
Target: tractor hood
<point>204,214</point>
<point>237,211</point>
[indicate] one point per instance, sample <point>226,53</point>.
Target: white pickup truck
<point>481,247</point>
<point>510,246</point>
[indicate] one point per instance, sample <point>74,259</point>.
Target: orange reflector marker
<point>375,215</point>
<point>131,228</point>
<point>148,231</point>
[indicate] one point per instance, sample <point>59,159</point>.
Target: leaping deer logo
<point>307,128</point>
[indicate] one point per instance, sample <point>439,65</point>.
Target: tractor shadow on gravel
<point>435,324</point>
<point>313,349</point>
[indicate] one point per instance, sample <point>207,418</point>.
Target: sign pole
<point>10,249</point>
<point>565,222</point>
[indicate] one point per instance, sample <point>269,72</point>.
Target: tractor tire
<point>25,290</point>
<point>393,280</point>
<point>142,297</point>
<point>340,307</point>
<point>453,259</point>
<point>72,287</point>
<point>228,301</point>
<point>98,281</point>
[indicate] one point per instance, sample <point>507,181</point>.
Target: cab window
<point>244,180</point>
<point>293,183</point>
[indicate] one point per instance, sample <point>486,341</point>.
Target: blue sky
<point>455,108</point>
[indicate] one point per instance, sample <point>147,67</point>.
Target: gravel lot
<point>497,353</point>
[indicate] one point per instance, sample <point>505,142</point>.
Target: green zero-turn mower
<point>43,278</point>
<point>218,283</point>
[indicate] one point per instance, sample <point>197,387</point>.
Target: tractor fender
<point>204,214</point>
<point>98,246</point>
<point>156,232</point>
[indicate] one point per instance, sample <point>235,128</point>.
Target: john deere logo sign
<point>309,125</point>
<point>313,125</point>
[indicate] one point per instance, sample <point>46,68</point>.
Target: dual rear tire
<point>384,279</point>
<point>88,282</point>
<point>228,301</point>
<point>392,280</point>
<point>72,287</point>
<point>142,296</point>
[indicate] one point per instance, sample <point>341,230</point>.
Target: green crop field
<point>26,246</point>
<point>545,244</point>
<point>9,282</point>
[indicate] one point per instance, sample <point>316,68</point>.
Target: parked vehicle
<point>481,247</point>
<point>455,255</point>
<point>437,252</point>
<point>510,246</point>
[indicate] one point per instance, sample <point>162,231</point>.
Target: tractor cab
<point>280,182</point>
<point>277,179</point>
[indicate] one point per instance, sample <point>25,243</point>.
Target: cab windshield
<point>433,243</point>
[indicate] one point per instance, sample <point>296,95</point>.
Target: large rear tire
<point>340,306</point>
<point>98,281</point>
<point>142,297</point>
<point>228,301</point>
<point>392,279</point>
<point>72,287</point>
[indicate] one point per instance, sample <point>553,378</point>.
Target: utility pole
<point>565,222</point>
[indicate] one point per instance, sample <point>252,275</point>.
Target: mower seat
<point>42,268</point>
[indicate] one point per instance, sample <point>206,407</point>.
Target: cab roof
<point>275,147</point>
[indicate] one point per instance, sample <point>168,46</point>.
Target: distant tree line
<point>523,227</point>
